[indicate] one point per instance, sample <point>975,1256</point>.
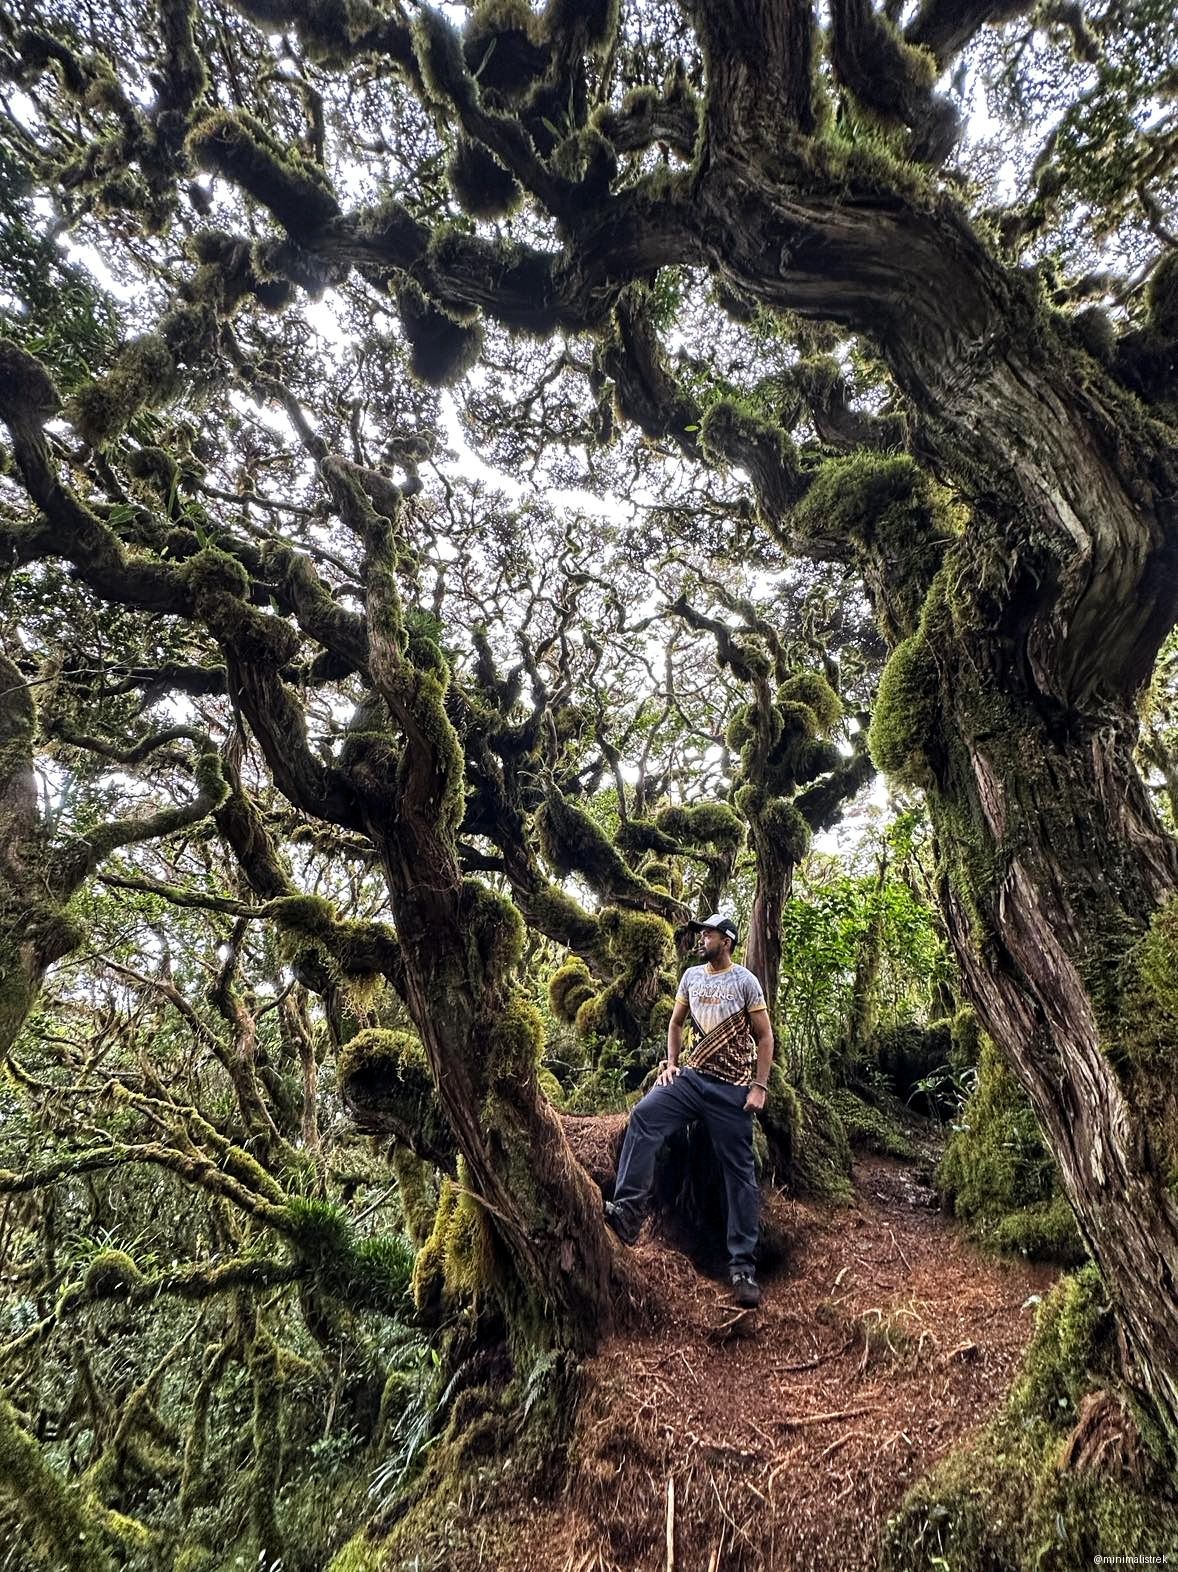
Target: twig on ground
<point>795,1421</point>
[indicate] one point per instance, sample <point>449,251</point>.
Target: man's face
<point>713,944</point>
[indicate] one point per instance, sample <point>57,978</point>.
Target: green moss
<point>573,978</point>
<point>657,874</point>
<point>388,1074</point>
<point>869,1126</point>
<point>1139,1014</point>
<point>591,1018</point>
<point>573,842</point>
<point>503,47</point>
<point>481,185</point>
<point>847,497</point>
<point>551,1087</point>
<point>457,1260</point>
<point>999,1174</point>
<point>581,24</point>
<point>26,388</point>
<point>514,1039</point>
<point>360,1554</point>
<point>966,1036</point>
<point>442,349</point>
<point>54,1516</point>
<point>239,147</point>
<point>111,1271</point>
<point>737,435</point>
<point>813,690</point>
<point>1161,296</point>
<point>636,940</point>
<point>703,824</point>
<point>144,373</point>
<point>742,728</point>
<point>214,573</point>
<point>310,916</point>
<point>417,1188</point>
<point>786,828</point>
<point>588,159</point>
<point>907,712</point>
<point>819,1151</point>
<point>494,930</point>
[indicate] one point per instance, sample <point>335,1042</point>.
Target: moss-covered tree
<point>912,382</point>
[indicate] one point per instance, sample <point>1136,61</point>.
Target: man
<point>718,1082</point>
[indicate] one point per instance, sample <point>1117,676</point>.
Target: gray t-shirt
<point>713,996</point>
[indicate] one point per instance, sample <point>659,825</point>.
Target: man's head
<point>717,936</point>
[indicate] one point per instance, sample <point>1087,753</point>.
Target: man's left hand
<point>755,1099</point>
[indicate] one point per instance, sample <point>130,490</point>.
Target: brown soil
<point>711,1441</point>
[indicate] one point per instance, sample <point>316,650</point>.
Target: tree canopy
<point>484,483</point>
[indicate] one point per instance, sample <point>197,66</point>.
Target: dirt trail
<point>784,1442</point>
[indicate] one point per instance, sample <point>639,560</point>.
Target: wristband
<point>762,1084</point>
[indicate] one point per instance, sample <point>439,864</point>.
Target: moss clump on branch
<point>899,518</point>
<point>111,1272</point>
<point>1058,1478</point>
<point>907,712</point>
<point>703,824</point>
<point>441,349</point>
<point>212,573</point>
<point>581,25</point>
<point>27,392</point>
<point>560,917</point>
<point>145,373</point>
<point>494,930</point>
<point>481,185</point>
<point>503,47</point>
<point>573,842</point>
<point>569,987</point>
<point>813,690</point>
<point>385,1076</point>
<point>240,148</point>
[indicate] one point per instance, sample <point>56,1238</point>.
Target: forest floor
<point>715,1441</point>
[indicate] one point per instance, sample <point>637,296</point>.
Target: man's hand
<point>755,1099</point>
<point>667,1074</point>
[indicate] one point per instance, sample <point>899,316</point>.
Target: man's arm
<point>674,1043</point>
<point>762,1030</point>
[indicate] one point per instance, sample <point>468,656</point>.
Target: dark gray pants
<point>720,1105</point>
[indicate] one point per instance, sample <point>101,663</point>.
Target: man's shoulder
<point>744,974</point>
<point>692,974</point>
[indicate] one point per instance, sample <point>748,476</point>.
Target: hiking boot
<point>745,1290</point>
<point>623,1224</point>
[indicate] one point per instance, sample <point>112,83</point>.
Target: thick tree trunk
<point>1038,631</point>
<point>1018,673</point>
<point>542,1205</point>
<point>774,882</point>
<point>1046,949</point>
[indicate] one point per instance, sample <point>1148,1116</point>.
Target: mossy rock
<point>870,1127</point>
<point>999,1175</point>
